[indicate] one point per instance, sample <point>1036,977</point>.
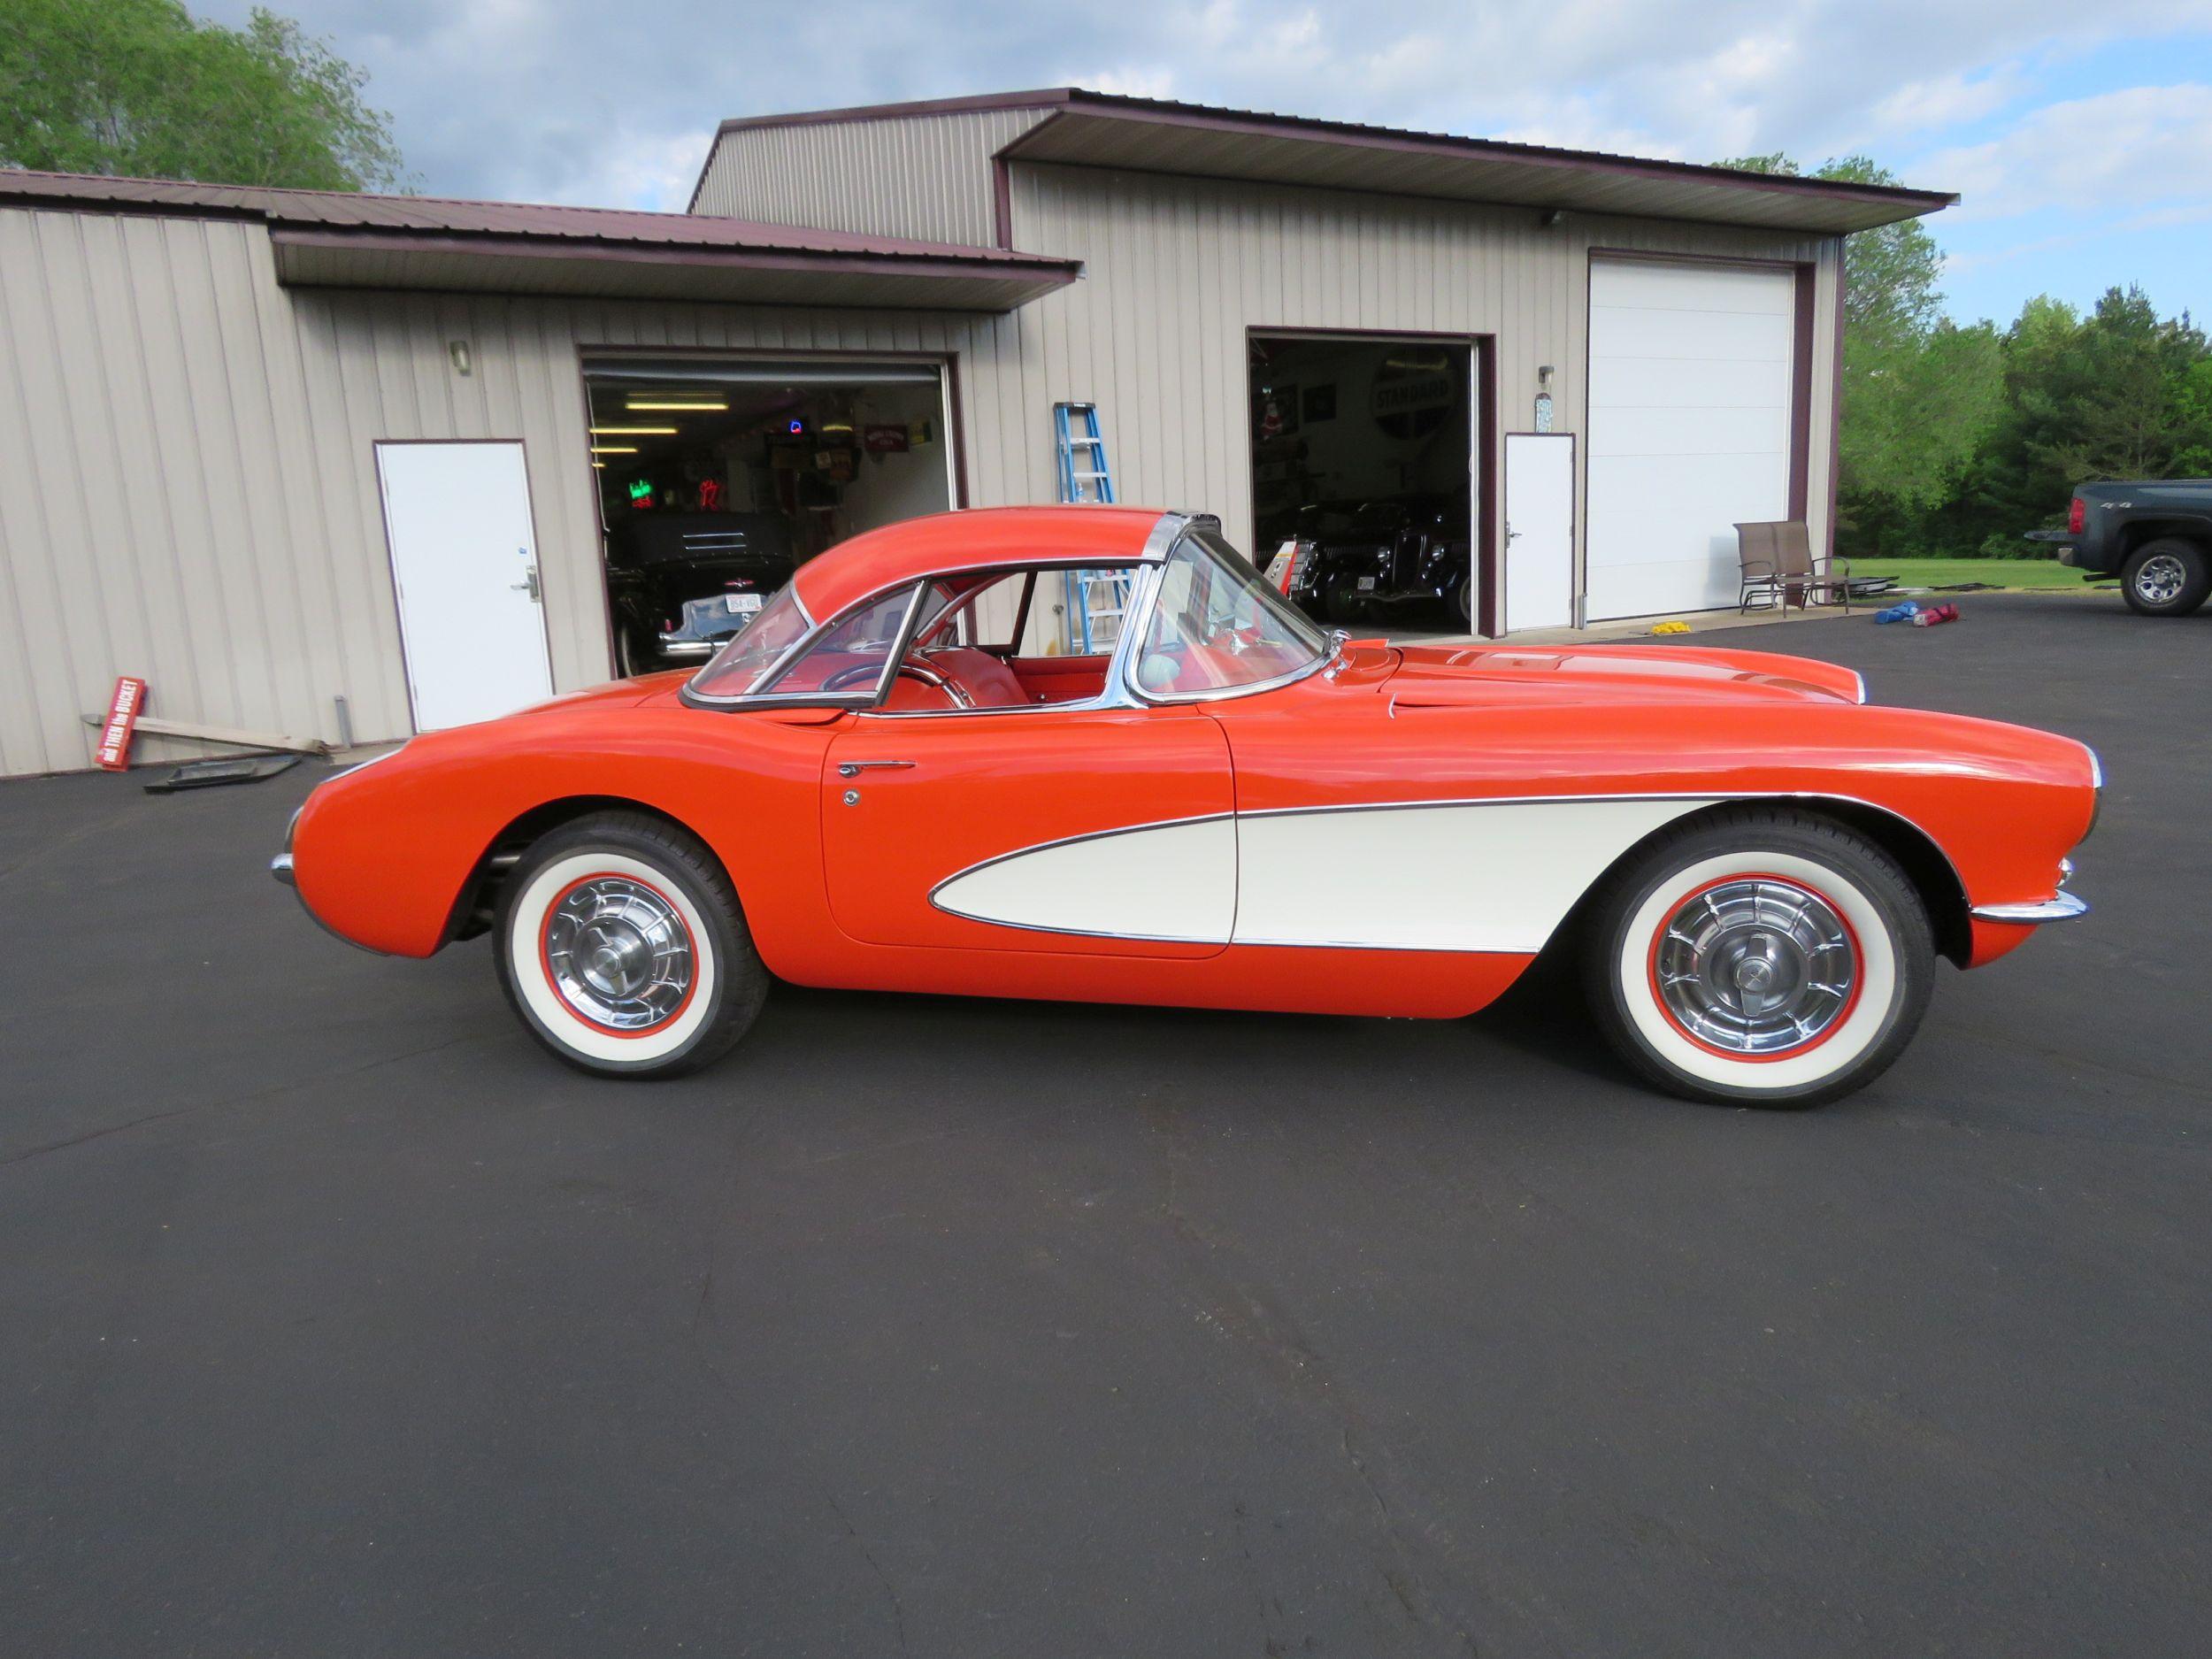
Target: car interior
<point>999,639</point>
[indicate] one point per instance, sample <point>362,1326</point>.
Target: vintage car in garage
<point>879,784</point>
<point>679,585</point>
<point>1386,561</point>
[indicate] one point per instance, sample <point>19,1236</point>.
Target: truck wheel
<point>622,948</point>
<point>2166,578</point>
<point>1760,956</point>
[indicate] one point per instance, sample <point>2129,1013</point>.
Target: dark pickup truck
<point>2155,536</point>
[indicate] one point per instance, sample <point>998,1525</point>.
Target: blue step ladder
<point>1101,600</point>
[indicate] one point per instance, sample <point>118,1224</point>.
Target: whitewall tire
<point>622,948</point>
<point>1759,957</point>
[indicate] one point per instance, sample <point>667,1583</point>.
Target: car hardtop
<point>978,539</point>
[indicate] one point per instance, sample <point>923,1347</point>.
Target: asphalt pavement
<point>336,1318</point>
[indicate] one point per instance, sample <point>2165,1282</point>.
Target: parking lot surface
<point>337,1318</point>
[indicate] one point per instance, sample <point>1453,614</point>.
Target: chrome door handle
<point>854,768</point>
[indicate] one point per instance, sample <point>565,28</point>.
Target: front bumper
<point>2059,907</point>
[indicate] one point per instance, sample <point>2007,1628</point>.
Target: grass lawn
<point>1997,573</point>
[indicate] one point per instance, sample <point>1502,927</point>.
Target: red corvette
<point>891,781</point>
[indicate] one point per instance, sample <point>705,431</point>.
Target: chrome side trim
<point>1068,840</point>
<point>2059,907</point>
<point>2064,906</point>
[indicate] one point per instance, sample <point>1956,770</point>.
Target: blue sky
<point>2081,136</point>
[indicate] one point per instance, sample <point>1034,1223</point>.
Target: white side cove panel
<point>1174,881</point>
<point>1540,530</point>
<point>1689,429</point>
<point>1478,876</point>
<point>465,561</point>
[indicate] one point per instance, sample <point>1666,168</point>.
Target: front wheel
<point>622,948</point>
<point>1761,956</point>
<point>2166,578</point>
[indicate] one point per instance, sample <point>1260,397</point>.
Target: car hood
<point>1441,675</point>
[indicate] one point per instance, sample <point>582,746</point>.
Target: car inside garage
<point>716,477</point>
<point>1362,455</point>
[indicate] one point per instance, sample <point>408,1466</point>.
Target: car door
<point>1095,831</point>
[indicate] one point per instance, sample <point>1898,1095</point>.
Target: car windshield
<point>1216,626</point>
<point>739,667</point>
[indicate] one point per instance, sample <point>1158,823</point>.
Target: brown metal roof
<point>341,238</point>
<point>1102,129</point>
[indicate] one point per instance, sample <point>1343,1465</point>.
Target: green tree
<point>2118,393</point>
<point>1920,395</point>
<point>143,89</point>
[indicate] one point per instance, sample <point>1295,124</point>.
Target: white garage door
<point>1689,429</point>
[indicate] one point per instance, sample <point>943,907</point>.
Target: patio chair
<point>1779,566</point>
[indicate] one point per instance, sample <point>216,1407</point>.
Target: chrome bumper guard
<point>2059,907</point>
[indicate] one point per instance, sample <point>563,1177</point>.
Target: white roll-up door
<point>1690,400</point>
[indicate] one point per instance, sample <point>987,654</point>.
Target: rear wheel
<point>623,950</point>
<point>1761,956</point>
<point>2166,578</point>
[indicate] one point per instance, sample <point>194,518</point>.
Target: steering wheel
<point>936,682</point>
<point>922,673</point>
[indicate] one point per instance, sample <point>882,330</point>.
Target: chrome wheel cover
<point>619,954</point>
<point>2159,581</point>
<point>1755,965</point>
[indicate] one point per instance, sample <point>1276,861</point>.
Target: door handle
<point>529,584</point>
<point>854,768</point>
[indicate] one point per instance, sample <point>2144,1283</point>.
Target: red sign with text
<point>123,711</point>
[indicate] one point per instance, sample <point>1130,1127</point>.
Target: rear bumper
<point>280,870</point>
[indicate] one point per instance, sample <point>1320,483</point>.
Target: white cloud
<point>1950,100</point>
<point>563,100</point>
<point>2143,147</point>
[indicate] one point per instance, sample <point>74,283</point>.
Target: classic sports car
<point>881,785</point>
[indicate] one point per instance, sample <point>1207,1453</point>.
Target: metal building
<point>218,409</point>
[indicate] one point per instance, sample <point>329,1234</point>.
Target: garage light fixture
<point>672,405</point>
<point>614,449</point>
<point>634,432</point>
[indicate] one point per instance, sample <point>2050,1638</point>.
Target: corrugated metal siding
<point>187,479</point>
<point>187,486</point>
<point>1178,269</point>
<point>924,176</point>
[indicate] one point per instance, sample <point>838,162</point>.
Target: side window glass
<point>854,657</point>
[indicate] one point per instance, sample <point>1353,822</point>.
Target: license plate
<point>741,604</point>
<point>1366,584</point>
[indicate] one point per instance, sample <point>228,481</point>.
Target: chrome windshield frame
<point>1330,647</point>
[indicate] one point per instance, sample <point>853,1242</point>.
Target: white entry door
<point>464,560</point>
<point>1540,531</point>
<point>1690,431</point>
